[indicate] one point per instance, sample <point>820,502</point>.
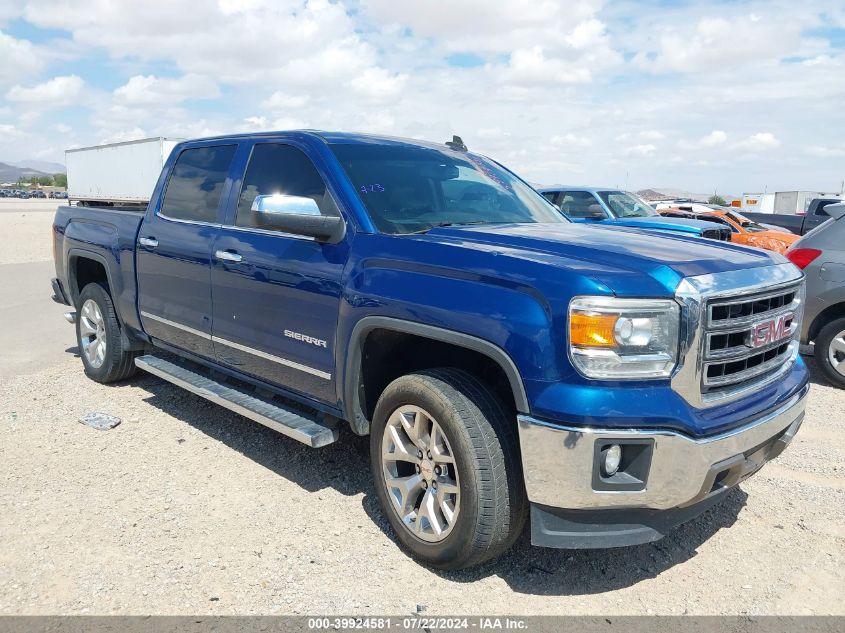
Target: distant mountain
<point>11,173</point>
<point>670,193</point>
<point>650,194</point>
<point>41,165</point>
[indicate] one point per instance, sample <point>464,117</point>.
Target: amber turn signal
<point>592,330</point>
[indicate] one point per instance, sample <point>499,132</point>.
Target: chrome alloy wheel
<point>836,353</point>
<point>92,333</point>
<point>420,473</point>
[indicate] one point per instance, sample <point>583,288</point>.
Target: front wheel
<point>99,339</point>
<point>830,352</point>
<point>445,459</point>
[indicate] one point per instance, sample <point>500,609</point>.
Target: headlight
<point>619,339</point>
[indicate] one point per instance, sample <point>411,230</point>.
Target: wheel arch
<point>353,385</point>
<point>74,257</point>
<point>76,284</point>
<point>830,313</point>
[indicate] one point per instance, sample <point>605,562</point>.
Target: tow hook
<point>70,317</point>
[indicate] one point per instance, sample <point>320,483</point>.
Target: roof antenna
<point>457,143</point>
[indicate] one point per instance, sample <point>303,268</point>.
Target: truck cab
<point>609,205</point>
<point>508,365</point>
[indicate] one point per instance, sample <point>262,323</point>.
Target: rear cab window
<point>196,184</point>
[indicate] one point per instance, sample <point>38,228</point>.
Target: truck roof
<point>331,138</point>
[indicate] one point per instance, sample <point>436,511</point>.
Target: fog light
<point>612,459</point>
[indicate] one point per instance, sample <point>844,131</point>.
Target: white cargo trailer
<point>758,202</point>
<point>118,172</point>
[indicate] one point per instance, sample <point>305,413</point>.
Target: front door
<point>174,250</point>
<point>276,296</point>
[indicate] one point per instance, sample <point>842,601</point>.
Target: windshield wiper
<point>444,224</point>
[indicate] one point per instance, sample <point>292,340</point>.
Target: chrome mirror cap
<point>278,203</point>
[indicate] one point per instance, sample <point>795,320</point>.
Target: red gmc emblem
<point>771,331</point>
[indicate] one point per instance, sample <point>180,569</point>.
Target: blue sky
<point>703,96</point>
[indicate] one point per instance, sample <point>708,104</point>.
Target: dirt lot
<point>186,508</point>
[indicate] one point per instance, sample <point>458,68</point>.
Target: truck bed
<point>792,223</point>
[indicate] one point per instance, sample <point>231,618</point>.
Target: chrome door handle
<point>228,256</point>
<point>149,242</point>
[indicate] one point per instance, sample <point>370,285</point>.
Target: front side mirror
<point>297,215</point>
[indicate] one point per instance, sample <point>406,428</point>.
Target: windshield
<point>624,205</point>
<point>411,189</point>
<point>745,223</point>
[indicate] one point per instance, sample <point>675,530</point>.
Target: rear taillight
<point>802,257</point>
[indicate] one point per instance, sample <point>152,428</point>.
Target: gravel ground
<point>185,508</point>
<point>25,230</point>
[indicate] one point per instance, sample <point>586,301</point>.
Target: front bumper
<point>675,472</point>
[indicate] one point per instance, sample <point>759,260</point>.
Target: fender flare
<point>77,253</point>
<point>352,372</point>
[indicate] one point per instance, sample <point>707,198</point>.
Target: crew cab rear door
<point>173,255</point>
<point>276,296</point>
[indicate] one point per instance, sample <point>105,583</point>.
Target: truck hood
<point>621,258</point>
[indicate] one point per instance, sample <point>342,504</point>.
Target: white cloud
<point>758,141</point>
<point>7,130</point>
<point>253,124</point>
<point>128,134</point>
<point>571,140</point>
<point>531,67</point>
<point>473,25</point>
<point>19,59</point>
<point>715,138</point>
<point>492,133</point>
<point>825,152</point>
<point>640,150</point>
<point>378,85</point>
<point>267,42</point>
<point>151,90</point>
<point>718,42</point>
<point>280,100</point>
<point>645,135</point>
<point>58,91</point>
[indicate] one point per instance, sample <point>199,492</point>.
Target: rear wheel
<point>830,352</point>
<point>445,459</point>
<point>99,339</point>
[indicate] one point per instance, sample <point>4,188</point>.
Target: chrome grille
<point>748,338</point>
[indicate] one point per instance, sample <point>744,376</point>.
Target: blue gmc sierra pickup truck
<point>610,383</point>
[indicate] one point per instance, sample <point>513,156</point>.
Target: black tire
<point>117,364</point>
<point>483,438</point>
<point>824,340</point>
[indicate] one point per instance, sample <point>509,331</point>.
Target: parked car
<point>705,207</point>
<point>799,224</point>
<point>504,361</point>
<point>743,230</point>
<point>821,254</point>
<point>611,206</point>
